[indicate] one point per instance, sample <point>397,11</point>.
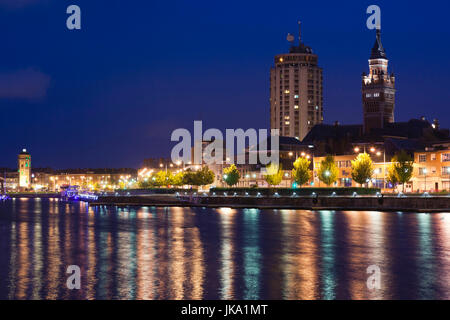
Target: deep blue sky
<point>111,94</point>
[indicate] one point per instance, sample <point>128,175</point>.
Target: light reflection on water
<point>198,253</point>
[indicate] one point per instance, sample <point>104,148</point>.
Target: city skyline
<point>81,106</point>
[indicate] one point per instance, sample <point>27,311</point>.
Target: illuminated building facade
<point>296,102</point>
<point>431,171</point>
<point>378,90</point>
<point>344,164</point>
<point>24,169</point>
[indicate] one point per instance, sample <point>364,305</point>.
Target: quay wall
<point>407,204</point>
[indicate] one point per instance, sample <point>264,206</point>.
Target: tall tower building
<point>24,168</point>
<point>378,90</point>
<point>296,102</point>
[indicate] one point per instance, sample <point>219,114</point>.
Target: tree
<point>144,184</point>
<point>205,176</point>
<point>178,179</point>
<point>274,174</point>
<point>189,178</point>
<point>163,178</point>
<point>202,177</point>
<point>403,167</point>
<point>328,171</point>
<point>362,168</point>
<point>231,175</point>
<point>301,172</point>
<point>392,174</point>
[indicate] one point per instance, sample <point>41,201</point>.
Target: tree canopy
<point>402,167</point>
<point>362,168</point>
<point>301,172</point>
<point>231,175</point>
<point>328,171</point>
<point>274,174</point>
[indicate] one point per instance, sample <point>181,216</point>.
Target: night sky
<point>110,94</point>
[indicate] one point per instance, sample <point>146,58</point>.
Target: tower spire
<point>299,32</point>
<point>378,50</point>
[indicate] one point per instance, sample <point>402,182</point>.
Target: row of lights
<point>372,150</point>
<point>303,155</point>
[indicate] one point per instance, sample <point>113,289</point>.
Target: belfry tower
<point>378,90</point>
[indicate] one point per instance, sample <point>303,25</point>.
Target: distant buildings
<point>296,102</point>
<point>52,180</point>
<point>92,179</point>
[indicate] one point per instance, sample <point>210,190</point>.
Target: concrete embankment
<point>34,195</point>
<point>407,204</point>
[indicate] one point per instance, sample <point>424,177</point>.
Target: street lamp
<point>378,154</point>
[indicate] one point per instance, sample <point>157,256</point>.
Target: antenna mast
<point>299,32</point>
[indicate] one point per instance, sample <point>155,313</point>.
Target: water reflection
<point>328,255</point>
<point>198,253</point>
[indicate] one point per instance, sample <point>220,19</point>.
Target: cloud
<point>26,84</point>
<point>16,4</point>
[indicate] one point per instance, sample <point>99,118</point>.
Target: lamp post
<point>378,154</point>
<point>425,173</point>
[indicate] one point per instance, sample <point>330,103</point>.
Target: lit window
<point>296,96</point>
<point>286,91</point>
<point>286,123</point>
<point>368,95</point>
<point>445,157</point>
<point>376,95</point>
<point>422,158</point>
<point>296,107</point>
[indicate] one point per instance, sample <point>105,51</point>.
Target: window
<point>376,95</point>
<point>368,95</point>
<point>433,157</point>
<point>296,107</point>
<point>344,164</point>
<point>445,157</point>
<point>346,182</point>
<point>423,171</point>
<point>422,158</point>
<point>296,96</point>
<point>445,171</point>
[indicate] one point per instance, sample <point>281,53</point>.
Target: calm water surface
<point>199,253</point>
